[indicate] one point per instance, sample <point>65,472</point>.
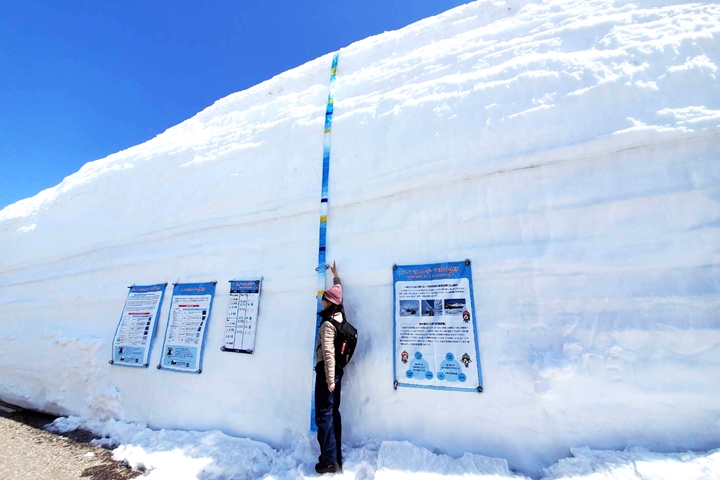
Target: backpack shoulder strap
<point>332,321</point>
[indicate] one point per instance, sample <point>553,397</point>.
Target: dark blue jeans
<point>327,416</point>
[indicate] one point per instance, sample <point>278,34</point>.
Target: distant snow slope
<point>570,149</point>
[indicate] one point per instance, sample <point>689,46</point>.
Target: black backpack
<point>345,341</point>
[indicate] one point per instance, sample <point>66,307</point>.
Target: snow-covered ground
<point>570,149</point>
<point>179,454</point>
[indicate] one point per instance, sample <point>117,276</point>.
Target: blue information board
<point>132,342</point>
<point>434,329</point>
<point>187,323</point>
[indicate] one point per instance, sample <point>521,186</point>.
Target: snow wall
<point>569,149</point>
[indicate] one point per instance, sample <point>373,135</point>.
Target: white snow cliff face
<point>569,149</point>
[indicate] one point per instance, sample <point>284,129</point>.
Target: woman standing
<point>328,380</point>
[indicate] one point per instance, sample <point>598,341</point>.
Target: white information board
<point>242,316</point>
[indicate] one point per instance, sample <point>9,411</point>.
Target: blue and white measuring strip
<point>323,216</point>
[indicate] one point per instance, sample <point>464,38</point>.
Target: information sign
<point>133,336</point>
<point>435,333</point>
<point>242,316</point>
<point>187,322</point>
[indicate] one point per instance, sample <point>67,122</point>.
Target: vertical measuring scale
<point>323,219</point>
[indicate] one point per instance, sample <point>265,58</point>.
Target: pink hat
<point>333,294</point>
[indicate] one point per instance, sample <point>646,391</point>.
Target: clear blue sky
<point>81,79</point>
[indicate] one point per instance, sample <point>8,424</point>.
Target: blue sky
<point>80,80</point>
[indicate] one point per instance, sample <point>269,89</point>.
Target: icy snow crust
<point>569,149</point>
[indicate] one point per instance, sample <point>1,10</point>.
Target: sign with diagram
<point>435,332</point>
<point>187,322</point>
<point>242,316</point>
<point>135,331</point>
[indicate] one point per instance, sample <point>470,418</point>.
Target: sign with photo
<point>135,331</point>
<point>187,323</point>
<point>242,316</point>
<point>435,332</point>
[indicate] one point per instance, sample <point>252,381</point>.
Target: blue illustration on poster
<point>419,368</point>
<point>450,369</point>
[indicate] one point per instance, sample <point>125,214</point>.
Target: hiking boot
<point>326,468</point>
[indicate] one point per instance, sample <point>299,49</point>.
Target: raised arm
<point>336,277</point>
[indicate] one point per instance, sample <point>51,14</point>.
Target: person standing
<point>328,380</point>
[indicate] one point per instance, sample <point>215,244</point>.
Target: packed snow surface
<point>178,455</point>
<point>569,149</point>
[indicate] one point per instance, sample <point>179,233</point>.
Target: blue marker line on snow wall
<point>323,220</point>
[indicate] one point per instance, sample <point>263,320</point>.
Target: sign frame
<point>243,285</point>
<point>187,290</point>
<point>435,272</point>
<point>152,326</point>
